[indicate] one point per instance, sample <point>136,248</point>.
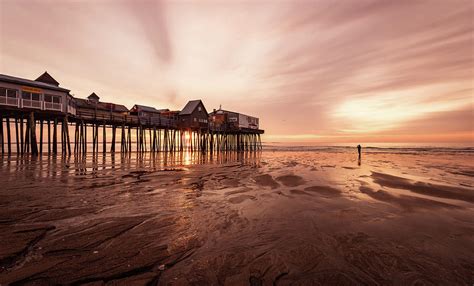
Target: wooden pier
<point>78,126</point>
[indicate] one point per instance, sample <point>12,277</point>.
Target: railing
<point>31,103</point>
<point>99,115</point>
<point>53,106</point>
<point>158,121</point>
<point>8,101</point>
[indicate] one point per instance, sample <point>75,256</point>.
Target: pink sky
<point>322,71</point>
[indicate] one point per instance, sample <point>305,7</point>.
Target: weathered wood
<point>67,135</point>
<point>9,139</point>
<point>34,145</point>
<point>41,137</point>
<point>1,134</point>
<point>112,144</point>
<point>84,144</point>
<point>55,136</point>
<point>49,137</point>
<point>27,137</point>
<point>104,138</point>
<point>130,139</point>
<point>17,137</point>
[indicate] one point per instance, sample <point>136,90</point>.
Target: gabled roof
<point>28,82</point>
<point>47,78</point>
<point>191,106</point>
<point>93,96</point>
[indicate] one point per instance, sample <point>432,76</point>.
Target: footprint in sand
<point>291,180</point>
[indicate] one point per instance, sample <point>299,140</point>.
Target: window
<point>8,96</point>
<point>7,92</point>
<point>11,93</point>
<point>52,98</point>
<point>195,119</point>
<point>30,96</point>
<point>199,108</point>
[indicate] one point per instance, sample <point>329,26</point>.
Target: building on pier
<point>41,94</point>
<point>93,109</point>
<point>224,120</point>
<point>151,116</point>
<point>193,116</point>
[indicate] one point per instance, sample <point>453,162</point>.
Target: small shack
<point>193,116</point>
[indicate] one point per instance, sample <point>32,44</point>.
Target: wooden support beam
<point>41,138</point>
<point>34,145</point>
<point>1,134</point>
<point>68,140</point>
<point>27,135</point>
<point>17,137</point>
<point>49,137</point>
<point>55,136</point>
<point>104,138</point>
<point>9,139</point>
<point>84,138</point>
<point>112,146</point>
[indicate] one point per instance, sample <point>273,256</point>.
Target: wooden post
<point>129,138</point>
<point>41,138</point>
<point>63,138</point>
<point>34,145</point>
<point>17,137</point>
<point>123,145</point>
<point>27,136</point>
<point>55,136</point>
<point>85,138</point>
<point>104,139</point>
<point>76,137</point>
<point>1,133</point>
<point>138,141</point>
<point>112,147</point>
<point>67,135</point>
<point>9,139</point>
<point>49,137</point>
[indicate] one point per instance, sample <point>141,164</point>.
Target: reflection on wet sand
<point>237,218</point>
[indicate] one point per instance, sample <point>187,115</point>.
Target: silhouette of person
<point>359,150</point>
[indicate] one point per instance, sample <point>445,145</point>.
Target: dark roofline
<point>187,108</point>
<point>28,82</point>
<point>47,78</point>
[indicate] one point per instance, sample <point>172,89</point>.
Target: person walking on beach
<point>359,149</point>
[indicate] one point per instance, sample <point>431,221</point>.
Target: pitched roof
<point>47,78</point>
<point>191,106</point>
<point>33,83</point>
<point>94,96</point>
<point>106,106</point>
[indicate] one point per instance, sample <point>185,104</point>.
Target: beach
<point>251,218</point>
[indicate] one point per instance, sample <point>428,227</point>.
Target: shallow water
<point>266,218</point>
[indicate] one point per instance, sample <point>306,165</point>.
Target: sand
<point>272,218</point>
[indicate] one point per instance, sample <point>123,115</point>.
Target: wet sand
<point>273,218</point>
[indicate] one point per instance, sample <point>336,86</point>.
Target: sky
<point>312,71</point>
